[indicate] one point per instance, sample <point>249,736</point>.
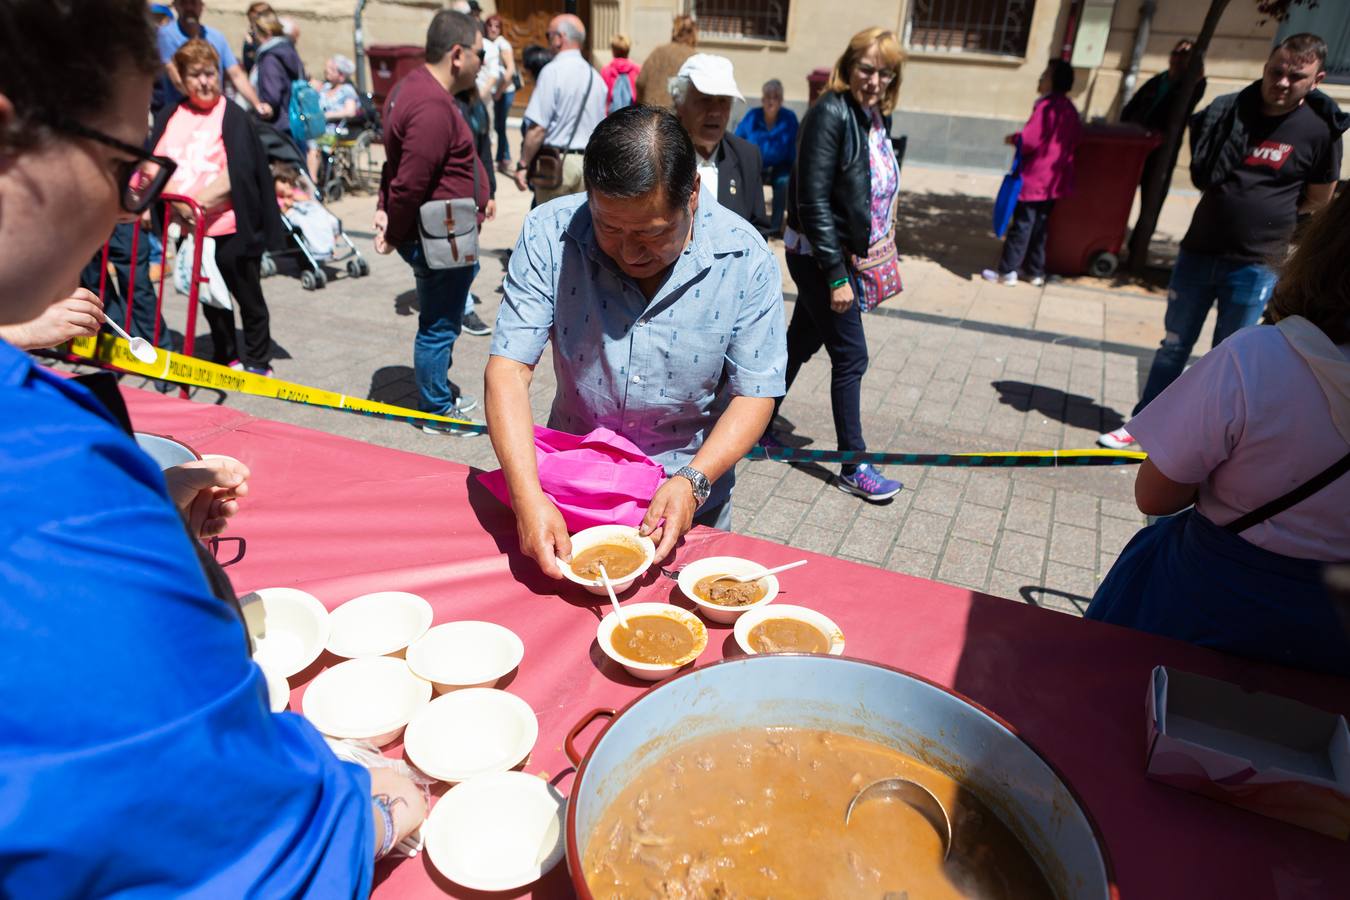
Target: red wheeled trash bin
<point>388,64</point>
<point>1088,227</point>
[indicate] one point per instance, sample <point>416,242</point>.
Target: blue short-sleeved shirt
<point>171,37</point>
<point>660,372</point>
<point>137,752</point>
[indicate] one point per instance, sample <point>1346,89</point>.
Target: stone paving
<point>956,365</point>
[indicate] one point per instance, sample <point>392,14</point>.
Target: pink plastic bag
<point>598,479</point>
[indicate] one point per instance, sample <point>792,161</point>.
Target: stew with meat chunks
<point>619,560</point>
<point>721,590</point>
<point>659,640</point>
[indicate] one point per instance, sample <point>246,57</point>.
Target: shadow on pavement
<point>1036,596</point>
<point>392,384</point>
<point>1071,409</point>
<point>405,304</point>
<point>953,230</point>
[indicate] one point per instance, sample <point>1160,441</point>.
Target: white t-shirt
<point>491,69</point>
<point>1250,422</point>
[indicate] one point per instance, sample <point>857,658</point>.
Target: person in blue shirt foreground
<point>137,752</point>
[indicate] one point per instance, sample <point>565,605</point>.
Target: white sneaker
<point>1120,439</point>
<point>1037,281</point>
<point>990,275</point>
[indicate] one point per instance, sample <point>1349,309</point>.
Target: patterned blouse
<point>885,177</point>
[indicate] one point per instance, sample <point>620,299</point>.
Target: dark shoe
<point>460,409</point>
<point>474,325</point>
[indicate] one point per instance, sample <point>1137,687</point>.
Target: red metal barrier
<point>198,217</point>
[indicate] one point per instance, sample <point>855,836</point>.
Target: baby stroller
<point>308,224</point>
<point>347,162</point>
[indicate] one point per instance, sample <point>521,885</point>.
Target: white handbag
<point>217,294</point>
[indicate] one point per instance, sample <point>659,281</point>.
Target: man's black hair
<point>57,56</point>
<point>1061,76</point>
<point>534,57</point>
<point>1303,47</point>
<point>449,29</point>
<point>637,149</point>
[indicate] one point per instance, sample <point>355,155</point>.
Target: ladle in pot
<point>917,796</point>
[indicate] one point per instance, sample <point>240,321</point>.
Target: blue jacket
<point>777,145</point>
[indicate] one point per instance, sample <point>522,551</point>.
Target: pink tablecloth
<point>339,518</point>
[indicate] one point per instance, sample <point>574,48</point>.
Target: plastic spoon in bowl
<point>756,576</point>
<point>140,347</point>
<point>609,588</point>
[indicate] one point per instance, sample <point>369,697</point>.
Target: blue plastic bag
<point>1008,192</point>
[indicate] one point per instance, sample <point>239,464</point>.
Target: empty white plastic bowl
<point>368,699</point>
<point>496,832</point>
<point>378,624</point>
<point>289,628</point>
<point>278,690</point>
<point>465,654</point>
<point>476,731</point>
<point>604,534</point>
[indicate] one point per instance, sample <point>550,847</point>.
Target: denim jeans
<point>778,177</point>
<point>440,294</point>
<point>1024,246</point>
<point>1242,290</point>
<point>501,108</point>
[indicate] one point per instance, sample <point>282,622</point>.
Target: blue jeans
<point>778,177</point>
<point>1242,290</point>
<point>440,294</point>
<point>501,108</point>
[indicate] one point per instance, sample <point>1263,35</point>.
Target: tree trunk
<point>1155,190</point>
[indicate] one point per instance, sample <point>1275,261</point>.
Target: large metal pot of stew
<point>733,780</point>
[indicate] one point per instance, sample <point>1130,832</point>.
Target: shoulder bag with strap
<point>546,169</point>
<point>877,275</point>
<point>1297,495</point>
<point>448,229</point>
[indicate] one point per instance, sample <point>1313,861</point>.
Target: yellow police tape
<point>109,351</point>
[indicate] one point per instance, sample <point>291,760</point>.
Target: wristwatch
<point>702,488</point>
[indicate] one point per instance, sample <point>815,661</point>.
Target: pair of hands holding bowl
<point>544,538</point>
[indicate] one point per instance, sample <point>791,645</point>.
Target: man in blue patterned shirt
<point>666,316</point>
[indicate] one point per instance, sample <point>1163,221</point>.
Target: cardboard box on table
<point>1264,753</point>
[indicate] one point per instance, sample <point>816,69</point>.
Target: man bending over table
<point>666,316</point>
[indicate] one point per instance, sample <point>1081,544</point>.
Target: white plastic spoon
<point>756,576</point>
<point>609,587</point>
<point>140,347</point>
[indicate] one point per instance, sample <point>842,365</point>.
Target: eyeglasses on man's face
<point>140,179</point>
<point>481,52</point>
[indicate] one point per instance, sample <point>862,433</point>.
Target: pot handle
<point>569,745</point>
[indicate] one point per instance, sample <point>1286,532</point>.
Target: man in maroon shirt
<point>429,152</point>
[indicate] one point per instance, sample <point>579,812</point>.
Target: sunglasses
<point>141,179</point>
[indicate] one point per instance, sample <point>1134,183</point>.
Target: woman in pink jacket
<point>1046,145</point>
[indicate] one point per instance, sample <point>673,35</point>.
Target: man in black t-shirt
<point>1262,157</point>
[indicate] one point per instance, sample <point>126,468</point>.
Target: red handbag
<point>878,273</point>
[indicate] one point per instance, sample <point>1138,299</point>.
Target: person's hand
<point>543,535</point>
<point>490,211</point>
<point>673,502</point>
<point>407,803</point>
<point>78,315</point>
<point>1010,139</point>
<point>520,179</point>
<point>265,110</point>
<point>207,492</point>
<point>842,298</point>
<point>381,223</point>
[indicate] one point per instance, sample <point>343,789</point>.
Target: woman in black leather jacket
<point>841,200</point>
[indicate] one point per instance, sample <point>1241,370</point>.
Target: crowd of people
<point>645,266</point>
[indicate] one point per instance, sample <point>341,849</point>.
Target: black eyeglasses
<point>482,51</point>
<point>141,179</point>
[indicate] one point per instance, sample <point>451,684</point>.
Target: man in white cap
<point>729,167</point>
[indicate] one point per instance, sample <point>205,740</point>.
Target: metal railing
<point>764,20</point>
<point>999,27</point>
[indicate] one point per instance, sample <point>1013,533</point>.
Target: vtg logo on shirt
<point>1270,154</point>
